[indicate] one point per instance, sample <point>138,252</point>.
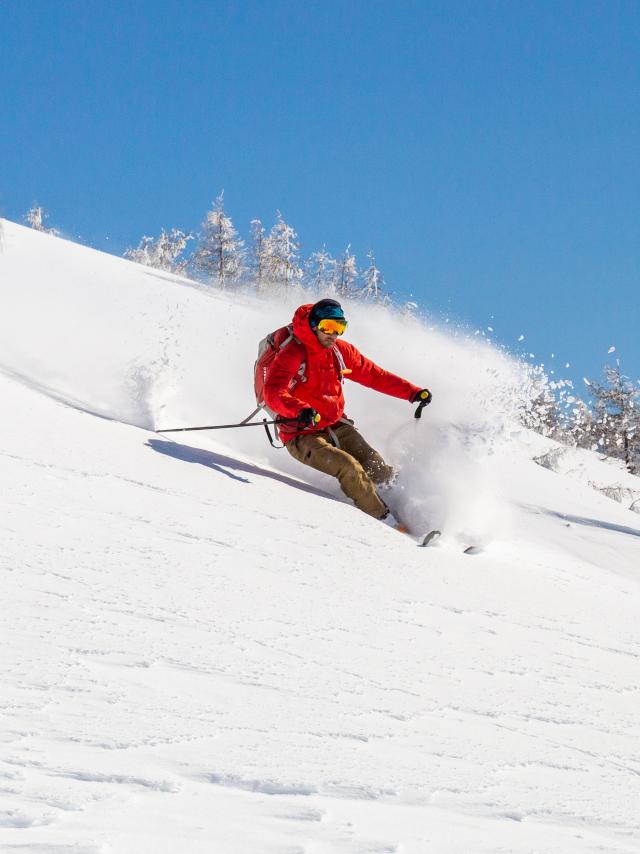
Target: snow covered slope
<point>205,649</point>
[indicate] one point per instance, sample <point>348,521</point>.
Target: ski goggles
<point>332,325</point>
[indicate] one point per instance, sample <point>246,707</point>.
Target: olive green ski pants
<point>344,454</point>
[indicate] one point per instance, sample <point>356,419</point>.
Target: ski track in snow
<point>202,651</point>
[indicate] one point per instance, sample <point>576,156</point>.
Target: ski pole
<point>229,426</point>
<point>420,407</point>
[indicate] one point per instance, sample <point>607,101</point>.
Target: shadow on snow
<point>222,464</point>
<point>593,523</point>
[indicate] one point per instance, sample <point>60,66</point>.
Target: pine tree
<point>163,252</point>
<point>220,254</point>
<point>346,273</point>
<point>372,281</point>
<point>320,271</point>
<point>281,255</point>
<point>257,256</point>
<point>144,253</point>
<point>35,218</point>
<point>617,417</point>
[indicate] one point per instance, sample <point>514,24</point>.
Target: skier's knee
<point>350,468</point>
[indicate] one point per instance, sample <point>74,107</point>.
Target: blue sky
<point>487,151</point>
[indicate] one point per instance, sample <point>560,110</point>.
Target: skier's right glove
<point>308,417</point>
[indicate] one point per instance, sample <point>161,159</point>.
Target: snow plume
<point>445,459</point>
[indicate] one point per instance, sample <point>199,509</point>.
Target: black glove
<point>423,396</point>
<point>308,417</point>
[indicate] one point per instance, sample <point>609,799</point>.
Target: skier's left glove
<point>423,396</point>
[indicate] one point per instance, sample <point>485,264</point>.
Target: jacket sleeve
<point>364,371</point>
<point>277,393</point>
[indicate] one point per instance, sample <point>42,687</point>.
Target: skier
<point>322,437</point>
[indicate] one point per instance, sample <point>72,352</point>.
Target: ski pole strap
<point>268,432</point>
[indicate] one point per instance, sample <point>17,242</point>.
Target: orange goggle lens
<point>331,325</point>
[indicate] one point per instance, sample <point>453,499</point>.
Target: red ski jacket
<point>324,377</point>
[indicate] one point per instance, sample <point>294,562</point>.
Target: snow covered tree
<point>220,254</point>
<point>371,289</point>
<point>162,252</point>
<point>281,247</point>
<point>617,417</point>
<point>35,218</point>
<point>320,271</point>
<point>346,273</point>
<point>257,255</point>
<point>144,253</point>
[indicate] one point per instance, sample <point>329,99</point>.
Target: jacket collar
<point>304,332</point>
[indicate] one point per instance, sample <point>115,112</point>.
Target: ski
<point>473,550</point>
<point>433,536</point>
<point>430,539</point>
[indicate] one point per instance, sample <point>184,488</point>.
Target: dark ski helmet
<point>326,308</point>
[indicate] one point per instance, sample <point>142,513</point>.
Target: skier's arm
<point>283,370</point>
<point>364,371</point>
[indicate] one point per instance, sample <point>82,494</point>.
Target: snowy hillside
<point>205,649</point>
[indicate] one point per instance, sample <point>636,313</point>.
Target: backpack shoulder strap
<point>291,337</point>
<point>300,375</point>
<point>301,372</point>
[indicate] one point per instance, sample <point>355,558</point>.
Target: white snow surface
<point>206,649</point>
